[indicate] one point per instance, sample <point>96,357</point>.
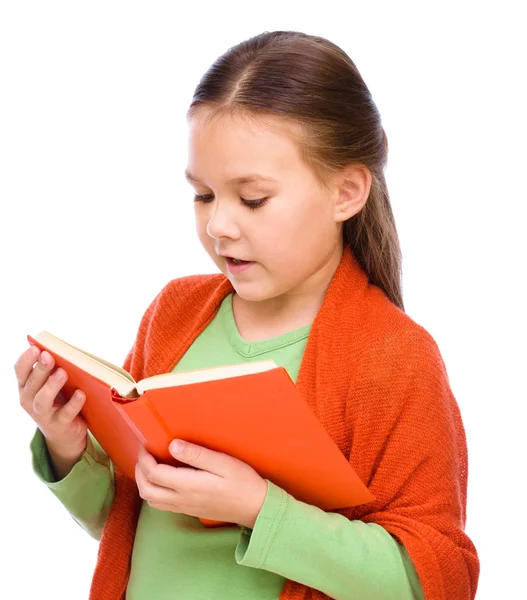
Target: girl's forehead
<point>241,144</point>
<point>235,145</point>
<point>207,123</point>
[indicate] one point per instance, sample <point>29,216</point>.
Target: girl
<point>286,156</point>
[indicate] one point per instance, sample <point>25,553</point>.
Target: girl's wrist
<point>254,507</point>
<point>64,459</point>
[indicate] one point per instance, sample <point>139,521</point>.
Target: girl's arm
<point>87,491</point>
<point>346,560</point>
<point>418,473</point>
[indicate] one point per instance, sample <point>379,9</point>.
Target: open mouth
<point>237,261</point>
<point>236,265</point>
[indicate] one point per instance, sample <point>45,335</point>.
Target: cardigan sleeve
<point>87,491</point>
<point>346,560</point>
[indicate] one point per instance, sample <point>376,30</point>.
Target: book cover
<point>258,418</point>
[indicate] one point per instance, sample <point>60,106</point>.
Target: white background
<point>96,217</point>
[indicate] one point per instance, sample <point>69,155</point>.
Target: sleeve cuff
<point>326,551</point>
<point>42,465</point>
<point>254,545</point>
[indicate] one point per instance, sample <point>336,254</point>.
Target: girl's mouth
<point>238,266</point>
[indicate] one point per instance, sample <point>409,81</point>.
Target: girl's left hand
<point>223,489</point>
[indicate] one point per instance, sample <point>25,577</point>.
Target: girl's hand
<point>56,416</point>
<point>223,489</point>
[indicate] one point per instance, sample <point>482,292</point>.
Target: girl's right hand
<point>41,397</point>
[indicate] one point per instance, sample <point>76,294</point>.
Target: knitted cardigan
<point>377,382</point>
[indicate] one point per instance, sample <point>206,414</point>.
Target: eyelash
<point>250,204</point>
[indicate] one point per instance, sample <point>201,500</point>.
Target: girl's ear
<point>352,188</point>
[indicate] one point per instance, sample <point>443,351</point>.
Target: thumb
<point>199,457</point>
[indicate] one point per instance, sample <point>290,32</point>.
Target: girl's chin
<point>250,291</point>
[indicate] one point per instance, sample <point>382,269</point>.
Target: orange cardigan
<point>377,382</point>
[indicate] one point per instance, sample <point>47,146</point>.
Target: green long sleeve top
<point>175,556</point>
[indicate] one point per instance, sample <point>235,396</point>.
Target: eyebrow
<point>249,178</point>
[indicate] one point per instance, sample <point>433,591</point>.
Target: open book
<point>125,385</point>
<point>251,411</point>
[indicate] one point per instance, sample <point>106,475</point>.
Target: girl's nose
<point>221,223</point>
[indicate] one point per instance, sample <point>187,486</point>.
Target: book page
<point>113,375</point>
<point>199,375</point>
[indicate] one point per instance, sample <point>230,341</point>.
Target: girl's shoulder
<point>191,287</point>
<point>203,282</point>
<point>186,295</point>
<point>395,334</point>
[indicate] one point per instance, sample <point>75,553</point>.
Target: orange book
<point>251,411</point>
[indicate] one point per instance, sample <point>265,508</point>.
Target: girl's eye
<point>252,204</point>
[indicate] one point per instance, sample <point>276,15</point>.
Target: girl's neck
<point>255,325</point>
<point>257,321</point>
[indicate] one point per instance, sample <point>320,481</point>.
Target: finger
<point>39,375</point>
<point>166,507</point>
<point>153,472</point>
<point>143,485</point>
<point>45,397</point>
<point>24,365</point>
<point>214,462</point>
<point>167,476</point>
<point>150,491</point>
<point>147,465</point>
<point>69,411</point>
<point>146,461</point>
<point>184,479</point>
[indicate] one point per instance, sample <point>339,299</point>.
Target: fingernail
<point>44,357</point>
<point>176,447</point>
<point>34,352</point>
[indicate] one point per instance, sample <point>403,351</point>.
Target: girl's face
<point>284,224</point>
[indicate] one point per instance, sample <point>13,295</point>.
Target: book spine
<point>158,417</point>
<point>116,396</point>
<point>148,426</point>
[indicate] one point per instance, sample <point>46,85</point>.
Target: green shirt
<point>175,556</point>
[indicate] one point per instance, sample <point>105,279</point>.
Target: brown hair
<point>314,83</point>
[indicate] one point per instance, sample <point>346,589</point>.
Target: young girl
<point>286,156</point>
